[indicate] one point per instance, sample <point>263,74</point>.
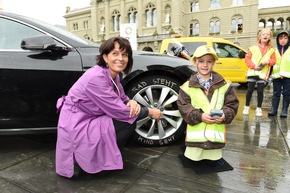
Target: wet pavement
<point>257,148</point>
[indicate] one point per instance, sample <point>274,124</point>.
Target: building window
<point>147,15</point>
<point>194,29</point>
<point>136,18</point>
<point>194,6</point>
<point>154,17</point>
<point>132,15</point>
<point>86,24</point>
<point>217,27</point>
<point>167,11</point>
<point>116,19</point>
<point>214,27</point>
<point>237,25</point>
<point>151,15</point>
<point>262,24</point>
<point>130,18</point>
<point>237,2</point>
<point>75,26</point>
<point>102,25</point>
<point>215,4</point>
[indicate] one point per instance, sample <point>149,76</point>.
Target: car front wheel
<point>161,92</point>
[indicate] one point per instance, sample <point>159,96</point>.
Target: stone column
<point>94,22</point>
<point>107,20</point>
<point>140,17</point>
<point>123,12</point>
<point>159,16</point>
<point>176,15</point>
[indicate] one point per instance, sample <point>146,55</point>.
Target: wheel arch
<point>181,74</point>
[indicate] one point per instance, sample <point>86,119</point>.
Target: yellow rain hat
<point>203,50</point>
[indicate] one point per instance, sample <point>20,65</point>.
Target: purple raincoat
<point>86,133</point>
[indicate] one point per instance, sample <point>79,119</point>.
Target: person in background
<point>207,102</point>
<point>96,117</point>
<point>259,60</point>
<point>281,75</point>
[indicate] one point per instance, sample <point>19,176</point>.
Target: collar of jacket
<point>218,81</point>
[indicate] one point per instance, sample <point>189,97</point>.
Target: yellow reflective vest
<point>257,59</point>
<point>203,132</point>
<point>282,66</point>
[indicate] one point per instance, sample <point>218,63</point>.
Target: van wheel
<point>161,92</point>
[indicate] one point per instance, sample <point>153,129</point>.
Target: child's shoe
<point>246,110</point>
<point>259,112</point>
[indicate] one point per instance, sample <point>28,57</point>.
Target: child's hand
<point>220,120</point>
<point>206,118</point>
<point>265,62</point>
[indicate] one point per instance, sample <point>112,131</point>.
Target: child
<point>259,60</point>
<point>204,92</point>
<point>281,75</point>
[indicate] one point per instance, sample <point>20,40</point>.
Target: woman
<point>96,116</point>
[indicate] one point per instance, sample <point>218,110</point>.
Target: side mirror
<point>241,54</point>
<point>41,43</point>
<point>37,43</point>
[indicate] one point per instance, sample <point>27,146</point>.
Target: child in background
<point>259,60</point>
<point>204,92</point>
<point>281,75</point>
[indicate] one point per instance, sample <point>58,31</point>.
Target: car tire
<point>157,91</point>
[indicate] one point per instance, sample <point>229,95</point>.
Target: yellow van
<point>231,64</point>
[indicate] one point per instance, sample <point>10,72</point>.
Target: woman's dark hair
<point>108,46</point>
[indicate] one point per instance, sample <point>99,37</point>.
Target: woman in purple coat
<point>96,117</point>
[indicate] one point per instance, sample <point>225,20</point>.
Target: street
<point>257,149</point>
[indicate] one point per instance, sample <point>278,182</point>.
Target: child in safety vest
<point>207,102</point>
<point>281,75</point>
<point>259,60</point>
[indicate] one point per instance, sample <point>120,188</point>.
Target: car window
<point>226,50</point>
<point>12,33</point>
<point>190,46</point>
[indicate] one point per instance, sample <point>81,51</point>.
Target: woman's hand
<point>155,113</point>
<point>135,108</point>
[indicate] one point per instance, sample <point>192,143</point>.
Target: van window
<point>190,46</point>
<point>226,50</point>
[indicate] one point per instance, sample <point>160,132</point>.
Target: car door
<point>230,65</point>
<point>31,81</point>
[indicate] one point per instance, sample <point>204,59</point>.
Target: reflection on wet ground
<point>257,148</point>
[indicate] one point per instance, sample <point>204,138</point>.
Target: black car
<point>40,62</point>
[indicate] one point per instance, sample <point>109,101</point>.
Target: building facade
<point>236,20</point>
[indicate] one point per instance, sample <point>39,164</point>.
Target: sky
<point>52,11</point>
<point>49,11</point>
